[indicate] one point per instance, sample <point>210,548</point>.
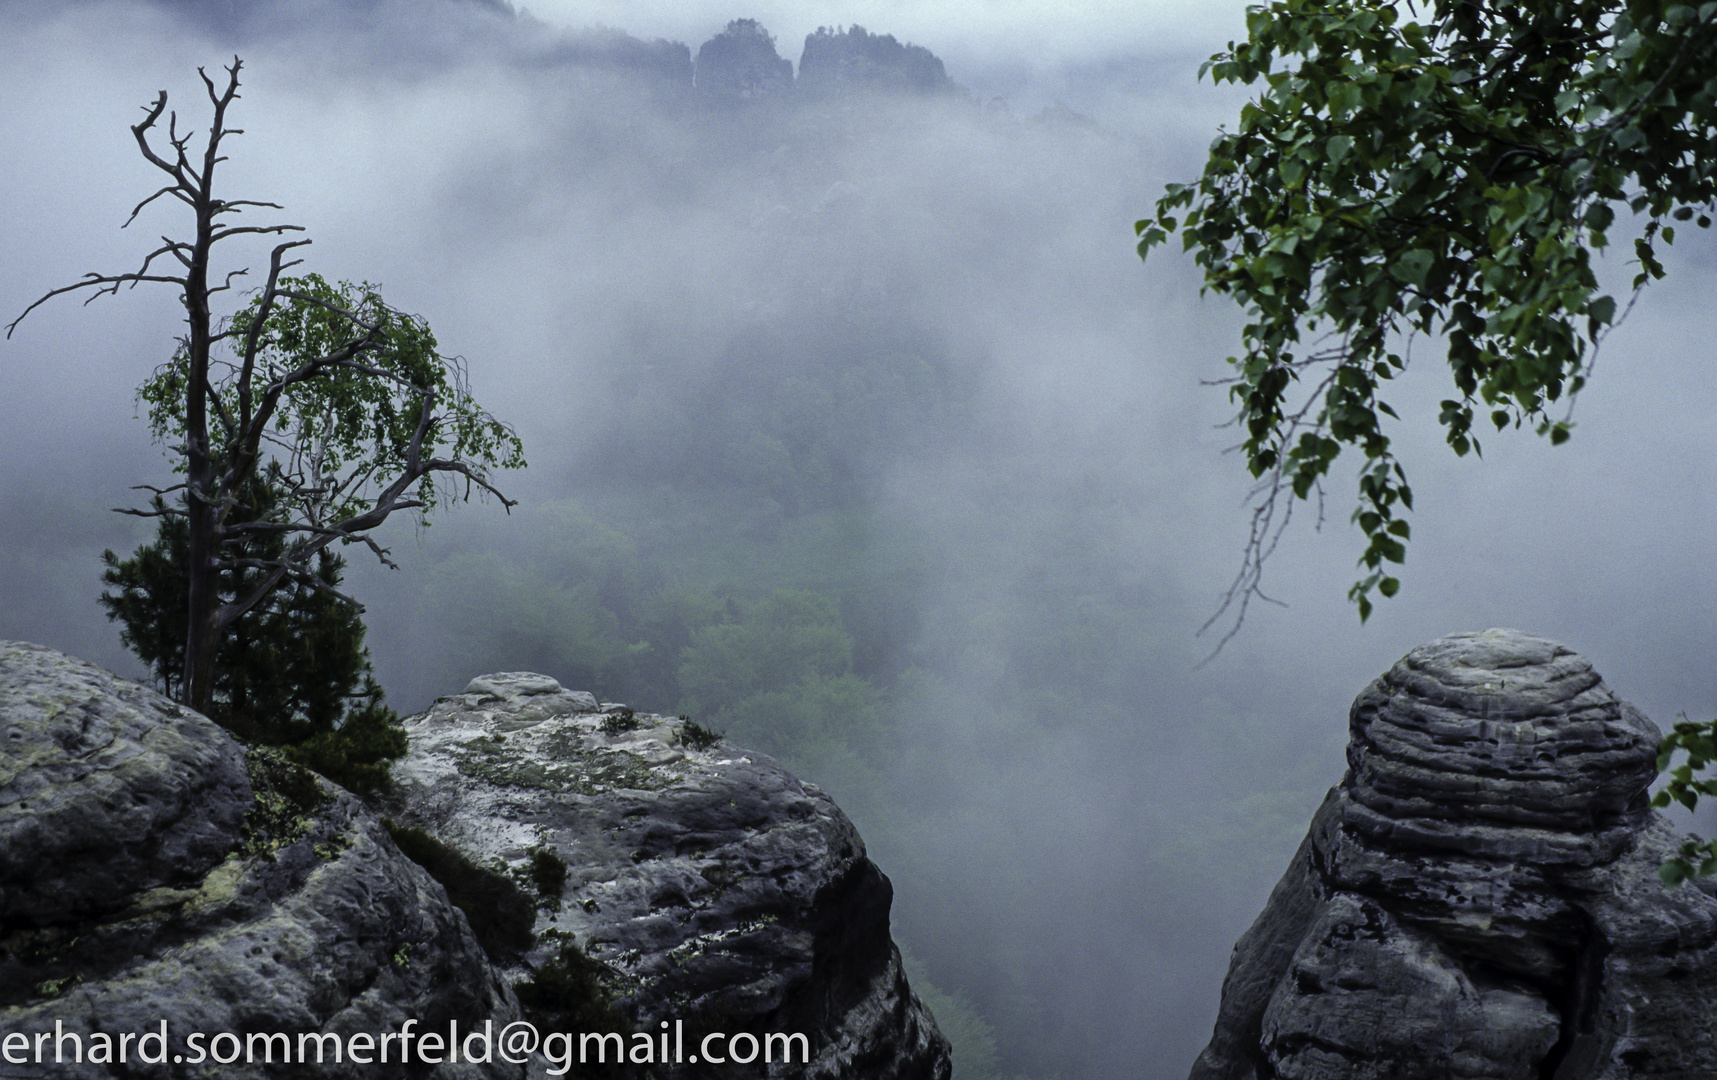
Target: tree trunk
<point>204,512</point>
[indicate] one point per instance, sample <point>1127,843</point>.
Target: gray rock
<point>716,889</point>
<point>1479,898</point>
<point>741,64</point>
<point>151,870</point>
<point>850,61</point>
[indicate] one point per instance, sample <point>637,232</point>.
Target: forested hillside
<point>856,431</point>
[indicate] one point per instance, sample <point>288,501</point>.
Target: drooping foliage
<point>1448,173</point>
<point>337,440</point>
<point>1447,170</point>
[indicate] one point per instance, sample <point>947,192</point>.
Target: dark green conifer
<point>293,672</point>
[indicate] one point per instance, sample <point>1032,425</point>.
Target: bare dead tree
<point>233,415</point>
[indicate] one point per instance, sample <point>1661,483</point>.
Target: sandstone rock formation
<point>837,61</point>
<point>741,64</point>
<point>1479,898</point>
<point>152,870</point>
<point>718,890</point>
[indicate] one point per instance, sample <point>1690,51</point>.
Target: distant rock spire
<point>741,64</point>
<point>837,61</point>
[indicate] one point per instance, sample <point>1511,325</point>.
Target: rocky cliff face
<point>714,888</point>
<point>1479,898</point>
<point>153,871</point>
<point>741,64</point>
<point>837,61</point>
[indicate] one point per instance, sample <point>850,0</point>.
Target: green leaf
<point>1412,266</point>
<point>1394,179</point>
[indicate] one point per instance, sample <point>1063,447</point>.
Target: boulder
<point>157,877</point>
<point>709,889</point>
<point>1479,897</point>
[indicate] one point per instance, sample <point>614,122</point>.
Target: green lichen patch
<point>560,762</point>
<point>493,765</point>
<point>331,850</point>
<point>53,988</point>
<point>621,769</point>
<point>287,798</point>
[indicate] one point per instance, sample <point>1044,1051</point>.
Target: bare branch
<point>141,131</point>
<point>158,490</point>
<point>104,284</point>
<point>333,309</point>
<point>165,512</point>
<point>175,190</point>
<point>472,476</point>
<point>234,204</point>
<point>229,427</point>
<point>224,287</point>
<point>318,531</point>
<point>240,230</point>
<point>381,553</point>
<point>1265,532</point>
<point>1266,527</point>
<point>297,573</point>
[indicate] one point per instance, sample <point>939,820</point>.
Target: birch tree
<point>347,398</point>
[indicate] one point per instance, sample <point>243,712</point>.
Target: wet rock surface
<point>717,890</point>
<point>151,869</point>
<point>1479,897</point>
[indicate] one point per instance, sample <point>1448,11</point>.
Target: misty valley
<point>858,436</point>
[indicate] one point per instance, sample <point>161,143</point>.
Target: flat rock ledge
<point>1479,897</point>
<point>715,888</point>
<point>152,870</point>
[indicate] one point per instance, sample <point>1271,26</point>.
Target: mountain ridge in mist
<point>880,374</point>
<point>736,64</point>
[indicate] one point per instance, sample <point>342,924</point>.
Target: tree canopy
<point>343,442</point>
<point>1449,173</point>
<point>1447,170</point>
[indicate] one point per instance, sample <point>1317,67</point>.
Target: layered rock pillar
<point>1479,897</point>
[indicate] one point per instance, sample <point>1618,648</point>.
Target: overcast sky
<point>958,28</point>
<point>549,228</point>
